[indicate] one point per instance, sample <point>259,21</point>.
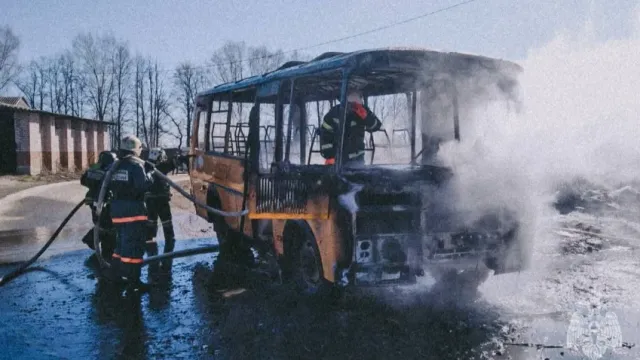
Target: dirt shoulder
<point>10,184</point>
<point>177,200</point>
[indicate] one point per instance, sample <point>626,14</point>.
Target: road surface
<point>61,311</point>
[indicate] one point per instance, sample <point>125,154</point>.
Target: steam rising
<point>580,119</point>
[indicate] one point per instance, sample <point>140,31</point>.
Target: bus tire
<point>304,260</point>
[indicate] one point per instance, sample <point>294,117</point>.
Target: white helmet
<point>157,155</point>
<point>355,96</point>
<point>131,143</point>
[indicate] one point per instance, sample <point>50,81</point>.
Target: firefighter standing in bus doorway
<point>359,119</point>
<point>92,179</point>
<point>158,206</point>
<point>129,183</point>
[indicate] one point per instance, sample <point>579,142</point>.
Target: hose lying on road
<point>181,253</point>
<point>100,203</point>
<point>12,275</point>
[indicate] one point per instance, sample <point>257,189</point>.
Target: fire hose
<point>12,275</point>
<point>174,254</point>
<point>96,240</point>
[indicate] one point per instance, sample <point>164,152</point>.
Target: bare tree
<point>29,83</point>
<point>228,62</point>
<point>152,105</point>
<point>95,56</point>
<point>122,64</point>
<point>261,60</point>
<point>9,67</point>
<point>70,80</point>
<point>41,68</point>
<point>54,91</point>
<point>179,134</point>
<point>188,81</point>
<point>140,69</point>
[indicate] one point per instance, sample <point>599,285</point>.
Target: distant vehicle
<point>254,147</point>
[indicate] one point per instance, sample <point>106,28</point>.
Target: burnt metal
<point>282,193</point>
<point>292,63</point>
<point>414,105</point>
<point>398,176</point>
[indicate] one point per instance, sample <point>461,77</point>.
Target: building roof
<point>14,101</point>
<point>71,117</point>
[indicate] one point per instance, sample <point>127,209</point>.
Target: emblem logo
<point>594,330</point>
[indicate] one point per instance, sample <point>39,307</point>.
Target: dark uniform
<point>92,179</point>
<point>359,119</point>
<point>129,183</point>
<point>158,206</point>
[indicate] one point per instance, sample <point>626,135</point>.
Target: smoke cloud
<point>580,117</point>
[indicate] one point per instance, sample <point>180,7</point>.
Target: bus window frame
<point>227,141</point>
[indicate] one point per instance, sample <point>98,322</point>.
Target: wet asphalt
<point>202,310</point>
<point>59,310</point>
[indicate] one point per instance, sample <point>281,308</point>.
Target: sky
<point>175,31</point>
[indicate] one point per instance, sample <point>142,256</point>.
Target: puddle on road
<point>20,245</point>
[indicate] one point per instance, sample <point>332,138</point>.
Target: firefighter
<point>359,119</point>
<point>129,183</point>
<point>158,206</point>
<point>92,179</point>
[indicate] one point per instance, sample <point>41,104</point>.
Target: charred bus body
<point>254,146</point>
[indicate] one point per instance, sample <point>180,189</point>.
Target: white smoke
<point>581,118</point>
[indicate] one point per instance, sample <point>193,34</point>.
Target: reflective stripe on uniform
<point>327,126</point>
<point>353,155</point>
<point>326,146</point>
<point>129,219</point>
<point>127,260</point>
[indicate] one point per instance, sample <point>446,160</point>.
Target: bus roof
<point>398,59</point>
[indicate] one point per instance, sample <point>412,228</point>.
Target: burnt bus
<point>255,148</point>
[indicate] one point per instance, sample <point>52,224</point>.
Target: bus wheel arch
<point>302,259</point>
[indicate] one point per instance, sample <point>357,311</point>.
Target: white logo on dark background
<point>593,331</point>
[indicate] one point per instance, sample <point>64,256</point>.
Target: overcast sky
<point>174,31</point>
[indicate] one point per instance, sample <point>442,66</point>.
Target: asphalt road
<point>60,310</point>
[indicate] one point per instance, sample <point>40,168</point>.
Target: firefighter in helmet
<point>359,119</point>
<point>129,183</point>
<point>92,179</point>
<point>158,206</point>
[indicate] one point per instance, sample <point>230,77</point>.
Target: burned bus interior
<point>389,222</point>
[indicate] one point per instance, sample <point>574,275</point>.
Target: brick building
<point>35,141</point>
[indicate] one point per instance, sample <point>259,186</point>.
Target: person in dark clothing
<point>359,119</point>
<point>129,183</point>
<point>92,179</point>
<point>158,206</point>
